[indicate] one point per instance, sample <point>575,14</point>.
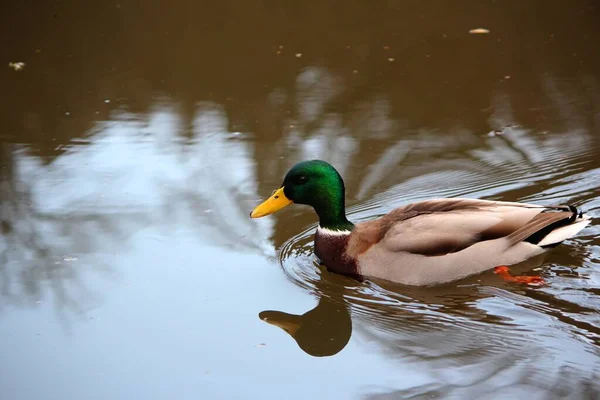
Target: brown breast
<point>331,250</point>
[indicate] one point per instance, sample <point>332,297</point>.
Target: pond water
<point>138,136</point>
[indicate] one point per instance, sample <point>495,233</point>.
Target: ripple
<point>479,323</point>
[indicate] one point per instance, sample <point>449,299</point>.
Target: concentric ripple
<point>481,318</point>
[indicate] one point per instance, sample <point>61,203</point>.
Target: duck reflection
<point>406,313</point>
<point>326,329</point>
<point>429,328</point>
<point>321,332</point>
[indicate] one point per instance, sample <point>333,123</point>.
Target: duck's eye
<point>301,179</point>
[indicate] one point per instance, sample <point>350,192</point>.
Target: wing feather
<point>441,226</point>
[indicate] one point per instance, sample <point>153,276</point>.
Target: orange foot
<point>504,272</point>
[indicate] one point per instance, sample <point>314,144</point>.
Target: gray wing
<point>443,226</point>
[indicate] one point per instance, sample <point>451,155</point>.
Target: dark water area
<point>138,135</point>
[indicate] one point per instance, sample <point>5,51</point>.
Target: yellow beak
<point>273,204</point>
<point>288,322</point>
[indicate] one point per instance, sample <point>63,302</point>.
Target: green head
<point>314,183</point>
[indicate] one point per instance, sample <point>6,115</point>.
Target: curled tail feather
<point>550,227</point>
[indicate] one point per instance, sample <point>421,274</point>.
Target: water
<point>137,138</point>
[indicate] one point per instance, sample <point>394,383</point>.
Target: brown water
<point>139,135</point>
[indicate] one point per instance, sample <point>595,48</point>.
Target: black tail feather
<point>541,234</point>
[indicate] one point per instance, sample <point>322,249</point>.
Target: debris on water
<point>507,77</point>
<point>391,59</point>
<point>107,101</point>
<point>479,31</point>
<point>495,132</point>
<point>386,47</point>
<point>298,55</point>
<point>208,211</point>
<point>70,258</point>
<point>355,71</point>
<point>67,113</point>
<point>17,66</point>
<point>260,345</point>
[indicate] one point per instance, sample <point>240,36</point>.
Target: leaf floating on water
<point>479,31</point>
<point>17,66</point>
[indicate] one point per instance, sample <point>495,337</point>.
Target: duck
<point>423,243</point>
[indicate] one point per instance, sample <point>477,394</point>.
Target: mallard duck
<point>424,243</point>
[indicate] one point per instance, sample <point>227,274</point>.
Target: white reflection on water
<point>134,178</point>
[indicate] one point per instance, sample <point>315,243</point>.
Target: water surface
<point>139,135</point>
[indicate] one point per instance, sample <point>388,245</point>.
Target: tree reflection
<point>34,262</point>
<point>64,221</point>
